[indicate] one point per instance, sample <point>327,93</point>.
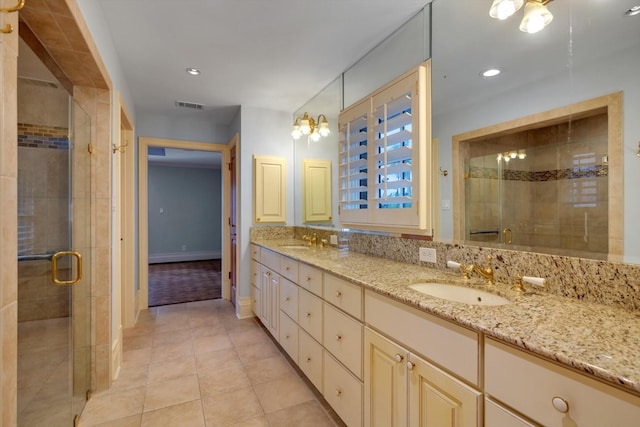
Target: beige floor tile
<point>248,336</point>
<point>163,353</point>
<point>171,337</point>
<point>211,343</point>
<point>107,406</point>
<point>130,376</point>
<point>171,392</point>
<point>138,357</point>
<point>253,352</point>
<point>175,368</point>
<point>253,422</point>
<point>137,341</point>
<point>282,393</point>
<point>304,414</point>
<point>231,408</point>
<point>171,326</point>
<point>217,360</point>
<point>206,331</point>
<point>223,380</point>
<point>132,421</point>
<point>188,414</point>
<point>142,328</point>
<point>232,323</point>
<point>269,369</point>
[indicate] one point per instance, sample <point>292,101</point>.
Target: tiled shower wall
<point>43,218</point>
<point>554,198</point>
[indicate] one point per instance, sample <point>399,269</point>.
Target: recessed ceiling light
<point>491,72</point>
<point>193,71</point>
<point>635,10</point>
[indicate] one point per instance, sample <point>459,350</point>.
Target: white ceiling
<point>273,54</point>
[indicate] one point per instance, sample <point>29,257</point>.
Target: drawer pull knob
<point>338,294</point>
<point>287,269</point>
<point>560,404</point>
<point>308,314</point>
<point>308,359</point>
<point>338,337</point>
<point>287,299</point>
<point>308,279</point>
<point>399,358</point>
<point>410,365</point>
<point>286,337</point>
<point>338,392</point>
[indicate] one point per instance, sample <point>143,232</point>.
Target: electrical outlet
<point>428,255</point>
<point>333,239</point>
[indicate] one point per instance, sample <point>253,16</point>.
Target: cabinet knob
<point>287,268</point>
<point>410,365</point>
<point>286,337</point>
<point>399,358</point>
<point>308,279</point>
<point>308,359</point>
<point>338,294</point>
<point>338,337</point>
<point>560,404</point>
<point>338,392</point>
<point>268,273</point>
<point>307,314</point>
<point>287,299</point>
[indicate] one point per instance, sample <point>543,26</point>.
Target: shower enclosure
<point>54,256</point>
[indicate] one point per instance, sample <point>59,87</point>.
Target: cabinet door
<point>270,199</point>
<point>385,382</point>
<point>316,184</point>
<point>437,399</point>
<point>265,285</point>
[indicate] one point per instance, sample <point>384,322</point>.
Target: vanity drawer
<point>270,259</point>
<point>310,358</point>
<point>255,273</point>
<point>343,391</point>
<point>289,298</point>
<point>310,314</point>
<point>255,252</point>
<point>496,415</point>
<point>344,295</point>
<point>451,346</point>
<point>289,268</point>
<point>343,337</point>
<point>255,300</point>
<point>289,336</point>
<point>310,278</point>
<point>529,384</point>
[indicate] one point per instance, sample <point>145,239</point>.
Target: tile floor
<point>196,364</point>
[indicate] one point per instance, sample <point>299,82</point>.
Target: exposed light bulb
<point>502,9</point>
<point>296,134</point>
<point>513,154</point>
<point>536,17</point>
<point>305,128</point>
<point>522,154</point>
<point>324,128</point>
<point>315,136</point>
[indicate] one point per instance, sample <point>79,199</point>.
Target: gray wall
<point>191,199</point>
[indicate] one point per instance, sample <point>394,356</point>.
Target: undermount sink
<point>295,246</point>
<point>459,294</point>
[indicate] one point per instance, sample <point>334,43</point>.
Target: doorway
<point>143,209</point>
<point>54,255</point>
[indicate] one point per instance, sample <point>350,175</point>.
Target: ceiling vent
<point>192,105</point>
<point>37,82</point>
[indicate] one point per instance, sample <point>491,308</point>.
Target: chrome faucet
<point>486,272</point>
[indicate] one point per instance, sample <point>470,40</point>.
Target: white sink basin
<point>459,294</point>
<point>295,246</point>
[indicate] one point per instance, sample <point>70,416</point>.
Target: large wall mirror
<point>565,171</point>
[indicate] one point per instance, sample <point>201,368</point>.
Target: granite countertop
<point>598,340</point>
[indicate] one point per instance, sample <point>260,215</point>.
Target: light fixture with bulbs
<point>315,129</point>
<point>536,14</point>
<point>508,155</point>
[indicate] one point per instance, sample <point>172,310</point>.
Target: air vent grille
<point>192,105</point>
<point>37,82</point>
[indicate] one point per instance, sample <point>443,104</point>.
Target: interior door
<point>233,224</point>
<point>54,273</point>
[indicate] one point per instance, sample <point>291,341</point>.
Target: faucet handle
<point>518,286</point>
<point>323,242</point>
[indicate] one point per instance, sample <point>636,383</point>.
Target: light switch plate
<point>428,255</point>
<point>333,239</point>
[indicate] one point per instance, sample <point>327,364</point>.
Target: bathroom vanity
<point>383,354</point>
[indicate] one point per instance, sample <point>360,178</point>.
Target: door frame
<point>234,143</point>
<point>143,209</point>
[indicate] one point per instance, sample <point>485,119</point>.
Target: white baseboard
<point>184,256</point>
<point>243,308</point>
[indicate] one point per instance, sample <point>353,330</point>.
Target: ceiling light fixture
<point>491,72</point>
<point>635,10</point>
<point>193,71</point>
<point>305,125</point>
<point>536,14</point>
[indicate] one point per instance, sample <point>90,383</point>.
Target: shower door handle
<point>54,268</point>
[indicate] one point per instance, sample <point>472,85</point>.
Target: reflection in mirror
<point>589,50</point>
<point>326,102</point>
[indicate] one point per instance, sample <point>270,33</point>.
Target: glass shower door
<point>54,270</point>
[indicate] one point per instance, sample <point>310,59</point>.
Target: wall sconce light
<point>536,14</point>
<point>305,125</point>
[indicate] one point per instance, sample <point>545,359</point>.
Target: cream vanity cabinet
<point>549,394</point>
<point>404,389</point>
<point>268,290</point>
